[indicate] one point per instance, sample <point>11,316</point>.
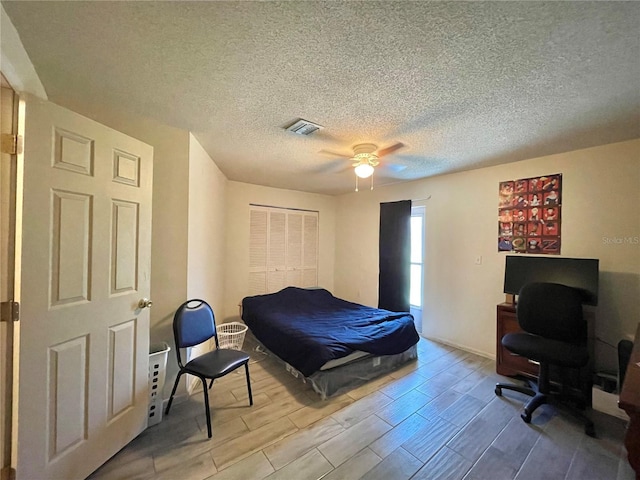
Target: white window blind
<point>283,249</point>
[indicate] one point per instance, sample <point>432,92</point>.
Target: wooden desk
<point>507,363</point>
<point>630,402</point>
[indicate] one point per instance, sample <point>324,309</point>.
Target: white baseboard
<point>607,403</point>
<point>461,347</point>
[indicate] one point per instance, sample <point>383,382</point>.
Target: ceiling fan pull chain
<point>356,183</point>
<point>372,181</point>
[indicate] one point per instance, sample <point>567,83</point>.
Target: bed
<point>331,343</point>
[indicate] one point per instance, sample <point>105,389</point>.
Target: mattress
<point>308,329</point>
<point>344,360</point>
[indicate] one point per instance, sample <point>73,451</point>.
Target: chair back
<point>552,311</point>
<point>193,323</point>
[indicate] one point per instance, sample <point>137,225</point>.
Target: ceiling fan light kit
<point>370,176</point>
<point>364,170</point>
<point>365,161</point>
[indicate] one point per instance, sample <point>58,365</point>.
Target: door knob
<point>145,303</point>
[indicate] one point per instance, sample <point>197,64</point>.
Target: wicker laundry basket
<point>231,335</point>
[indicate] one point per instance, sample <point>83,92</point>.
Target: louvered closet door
<point>283,249</point>
<point>310,249</point>
<point>277,258</point>
<point>294,249</point>
<point>258,252</point>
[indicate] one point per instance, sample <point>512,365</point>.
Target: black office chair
<point>555,333</point>
<point>194,323</point>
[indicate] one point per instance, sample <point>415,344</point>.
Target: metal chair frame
<point>204,336</point>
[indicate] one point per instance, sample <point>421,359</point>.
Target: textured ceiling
<point>461,84</point>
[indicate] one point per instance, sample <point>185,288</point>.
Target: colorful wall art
<point>529,212</point>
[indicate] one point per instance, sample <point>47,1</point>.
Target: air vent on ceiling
<point>304,127</point>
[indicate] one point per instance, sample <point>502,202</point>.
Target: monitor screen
<point>580,273</point>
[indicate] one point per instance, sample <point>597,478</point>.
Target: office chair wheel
<point>498,391</point>
<point>590,430</point>
<point>526,417</point>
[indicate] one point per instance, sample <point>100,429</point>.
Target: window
<point>417,260</point>
<point>416,288</point>
<point>283,249</point>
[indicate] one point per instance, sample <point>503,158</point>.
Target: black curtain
<point>395,256</point>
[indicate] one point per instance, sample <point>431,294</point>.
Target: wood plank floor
<point>435,418</point>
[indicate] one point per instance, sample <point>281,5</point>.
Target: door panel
<point>122,361</point>
<point>124,253</point>
<point>71,240</point>
<point>68,385</point>
<point>83,341</point>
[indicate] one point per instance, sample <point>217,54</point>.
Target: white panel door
<point>83,342</point>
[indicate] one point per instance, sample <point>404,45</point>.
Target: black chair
<point>194,323</point>
<point>555,334</point>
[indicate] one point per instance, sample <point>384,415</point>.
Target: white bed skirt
<point>345,377</point>
<point>339,379</point>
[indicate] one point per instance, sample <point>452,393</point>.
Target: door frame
<point>10,200</point>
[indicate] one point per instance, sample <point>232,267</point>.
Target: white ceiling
<point>461,84</point>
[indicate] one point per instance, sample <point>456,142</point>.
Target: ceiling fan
<point>366,157</point>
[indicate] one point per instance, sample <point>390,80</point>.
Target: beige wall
<point>239,196</point>
<point>16,64</point>
<point>601,198</point>
<point>206,239</point>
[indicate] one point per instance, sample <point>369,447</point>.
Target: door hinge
<point>10,311</point>
<point>8,473</point>
<point>10,144</point>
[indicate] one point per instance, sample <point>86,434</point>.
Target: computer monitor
<point>579,273</point>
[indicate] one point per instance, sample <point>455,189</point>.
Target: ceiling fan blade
<point>395,167</point>
<point>331,153</point>
<point>390,149</point>
<point>345,167</point>
<point>390,170</point>
<point>335,166</point>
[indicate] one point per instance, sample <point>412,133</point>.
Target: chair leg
<point>246,369</point>
<point>206,404</point>
<point>211,384</point>
<point>173,392</point>
<point>539,399</point>
<point>516,388</point>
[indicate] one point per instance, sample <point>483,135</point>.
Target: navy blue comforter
<point>307,328</point>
